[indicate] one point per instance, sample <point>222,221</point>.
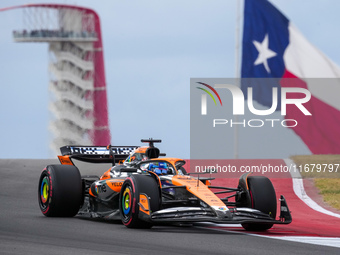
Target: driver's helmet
<point>135,158</point>
<point>159,169</point>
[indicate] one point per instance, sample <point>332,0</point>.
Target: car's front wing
<point>234,215</point>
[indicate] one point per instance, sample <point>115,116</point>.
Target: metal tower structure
<point>77,70</point>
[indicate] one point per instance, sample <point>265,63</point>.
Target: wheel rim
<point>44,191</point>
<point>126,201</point>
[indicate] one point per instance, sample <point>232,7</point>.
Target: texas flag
<point>273,48</point>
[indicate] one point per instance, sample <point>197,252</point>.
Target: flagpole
<point>237,70</point>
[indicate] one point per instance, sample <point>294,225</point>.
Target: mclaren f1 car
<point>143,189</point>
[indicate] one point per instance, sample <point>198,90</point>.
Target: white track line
<point>299,190</point>
<point>325,241</point>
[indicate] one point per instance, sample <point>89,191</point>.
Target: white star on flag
<point>264,53</point>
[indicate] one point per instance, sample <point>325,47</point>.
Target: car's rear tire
<point>60,191</point>
<point>129,199</point>
<point>263,198</point>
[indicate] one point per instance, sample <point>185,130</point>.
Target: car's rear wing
<point>95,154</point>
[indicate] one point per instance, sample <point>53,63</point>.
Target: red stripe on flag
<point>320,131</point>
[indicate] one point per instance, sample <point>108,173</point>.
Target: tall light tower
<point>77,70</point>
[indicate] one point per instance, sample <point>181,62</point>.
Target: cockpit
<point>158,167</point>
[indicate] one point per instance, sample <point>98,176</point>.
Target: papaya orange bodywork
<point>91,194</point>
<point>141,149</point>
<point>106,175</point>
<point>115,184</point>
<point>197,188</point>
<point>65,160</point>
<point>143,204</point>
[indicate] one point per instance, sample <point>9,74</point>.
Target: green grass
<point>318,166</point>
<point>327,182</point>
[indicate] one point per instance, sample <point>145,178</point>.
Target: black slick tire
<point>263,198</point>
<point>129,198</point>
<point>60,191</point>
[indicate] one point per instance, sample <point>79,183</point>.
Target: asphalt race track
<point>24,230</point>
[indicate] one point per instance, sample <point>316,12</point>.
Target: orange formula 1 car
<point>146,190</point>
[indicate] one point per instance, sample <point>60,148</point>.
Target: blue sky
<point>151,50</point>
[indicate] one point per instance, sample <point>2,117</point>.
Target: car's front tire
<point>263,198</point>
<point>60,191</point>
<point>129,198</point>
